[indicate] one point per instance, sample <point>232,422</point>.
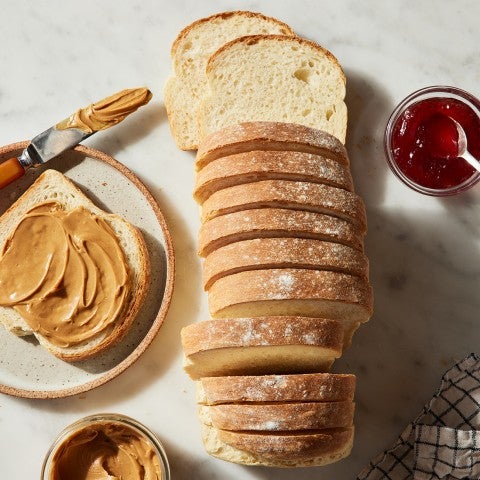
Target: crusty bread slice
<point>305,387</point>
<point>263,253</point>
<point>262,345</point>
<point>190,53</point>
<point>53,186</point>
<point>278,416</point>
<point>259,165</point>
<point>270,136</point>
<point>307,293</point>
<point>285,449</point>
<point>276,222</point>
<point>311,197</point>
<point>274,78</point>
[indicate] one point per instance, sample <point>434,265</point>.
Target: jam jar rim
<point>442,91</point>
<point>98,418</point>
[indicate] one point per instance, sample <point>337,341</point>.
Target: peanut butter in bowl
<point>106,446</point>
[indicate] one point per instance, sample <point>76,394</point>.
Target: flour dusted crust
<point>305,387</point>
<point>232,346</point>
<point>278,416</point>
<point>190,53</point>
<point>258,165</point>
<point>295,449</point>
<point>52,185</point>
<point>315,293</point>
<point>248,136</point>
<point>263,253</point>
<point>305,196</point>
<point>275,222</point>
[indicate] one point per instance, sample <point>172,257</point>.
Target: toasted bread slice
<point>307,293</point>
<point>261,165</point>
<point>304,387</point>
<point>263,253</point>
<point>262,345</point>
<point>278,416</point>
<point>303,84</point>
<point>311,197</point>
<point>285,449</point>
<point>276,222</point>
<point>270,136</point>
<point>52,186</point>
<point>190,53</point>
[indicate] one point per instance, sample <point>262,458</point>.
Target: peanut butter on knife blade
<point>74,129</point>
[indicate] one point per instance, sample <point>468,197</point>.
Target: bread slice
<point>52,186</point>
<point>249,135</point>
<point>312,197</point>
<point>263,253</point>
<point>274,78</point>
<point>284,449</point>
<point>262,345</point>
<point>278,416</point>
<point>307,293</point>
<point>304,387</point>
<point>276,222</point>
<point>190,53</point>
<point>260,165</point>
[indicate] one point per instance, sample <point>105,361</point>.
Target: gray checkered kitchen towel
<point>443,442</point>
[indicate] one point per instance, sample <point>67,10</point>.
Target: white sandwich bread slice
<point>311,197</point>
<point>263,253</point>
<point>304,387</point>
<point>280,449</point>
<point>274,78</point>
<point>53,188</point>
<point>251,135</point>
<point>190,52</point>
<point>278,416</point>
<point>260,165</point>
<point>276,222</point>
<point>295,292</point>
<point>261,345</point>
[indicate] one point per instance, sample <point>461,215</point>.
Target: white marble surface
<point>58,55</point>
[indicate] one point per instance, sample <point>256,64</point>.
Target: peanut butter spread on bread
<point>65,273</point>
<point>106,451</point>
<point>107,112</point>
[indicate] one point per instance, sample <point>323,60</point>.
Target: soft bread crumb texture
<point>274,78</point>
<point>190,53</point>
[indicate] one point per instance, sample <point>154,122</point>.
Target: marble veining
<point>424,252</point>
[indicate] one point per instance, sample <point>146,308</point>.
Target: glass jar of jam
<point>421,140</point>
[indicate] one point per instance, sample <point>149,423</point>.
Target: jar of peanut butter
<point>106,446</point>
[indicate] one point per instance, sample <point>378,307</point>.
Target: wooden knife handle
<point>10,170</point>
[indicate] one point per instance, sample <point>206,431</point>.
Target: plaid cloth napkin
<point>444,440</point>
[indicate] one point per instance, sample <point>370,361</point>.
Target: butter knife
<point>74,129</point>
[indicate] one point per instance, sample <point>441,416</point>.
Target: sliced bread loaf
<point>262,345</point>
<point>260,165</point>
<point>284,449</point>
<point>190,53</point>
<point>278,416</point>
<point>311,197</point>
<point>304,84</point>
<point>276,222</point>
<point>305,387</point>
<point>54,191</point>
<point>308,293</point>
<point>263,253</point>
<point>270,136</point>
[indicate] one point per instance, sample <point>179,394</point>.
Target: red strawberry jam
<point>424,142</point>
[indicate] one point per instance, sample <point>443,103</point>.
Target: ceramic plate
<point>26,368</point>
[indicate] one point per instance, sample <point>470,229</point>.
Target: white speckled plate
<point>27,369</point>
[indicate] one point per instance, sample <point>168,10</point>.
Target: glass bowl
<point>403,108</point>
<point>124,429</point>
